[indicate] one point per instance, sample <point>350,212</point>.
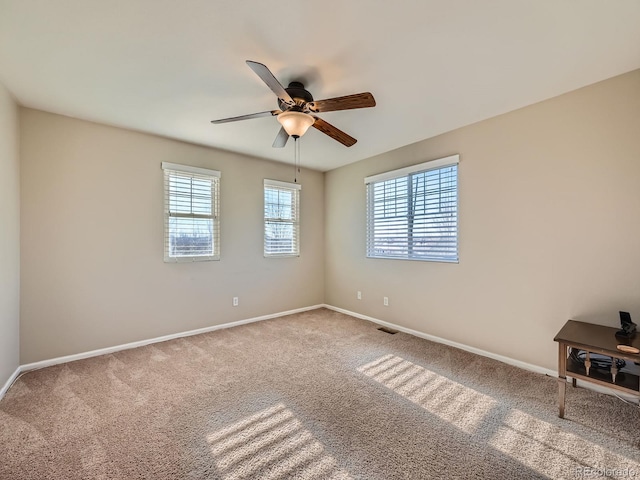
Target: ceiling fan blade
<point>281,138</point>
<point>359,100</point>
<point>270,113</point>
<point>333,132</point>
<point>272,82</point>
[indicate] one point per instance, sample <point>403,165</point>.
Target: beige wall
<point>93,274</point>
<point>549,227</point>
<point>9,237</point>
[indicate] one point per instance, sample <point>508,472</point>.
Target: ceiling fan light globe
<point>295,124</point>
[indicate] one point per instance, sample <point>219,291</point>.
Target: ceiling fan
<point>297,108</point>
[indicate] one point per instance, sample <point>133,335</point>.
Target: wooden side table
<point>595,339</point>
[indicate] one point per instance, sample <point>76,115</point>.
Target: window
<point>191,220</point>
<point>281,219</point>
<point>412,213</point>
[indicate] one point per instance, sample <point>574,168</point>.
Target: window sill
<point>434,260</point>
<point>214,258</point>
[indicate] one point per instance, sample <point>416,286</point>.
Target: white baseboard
<point>104,351</point>
<point>461,346</point>
<point>484,353</point>
<point>141,343</point>
<point>10,381</point>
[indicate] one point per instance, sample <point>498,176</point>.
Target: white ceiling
<point>168,67</point>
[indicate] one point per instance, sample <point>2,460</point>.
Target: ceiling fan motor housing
<point>299,94</point>
<point>297,108</point>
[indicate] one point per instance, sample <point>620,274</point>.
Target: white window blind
<point>412,213</point>
<point>191,219</point>
<point>281,219</point>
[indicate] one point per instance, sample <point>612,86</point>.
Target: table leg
<point>614,370</point>
<point>573,382</point>
<point>562,377</point>
<point>562,390</point>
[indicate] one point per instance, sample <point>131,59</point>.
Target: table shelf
<point>625,377</point>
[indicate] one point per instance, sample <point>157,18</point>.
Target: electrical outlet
<point>235,301</point>
<point>359,295</point>
<point>385,301</point>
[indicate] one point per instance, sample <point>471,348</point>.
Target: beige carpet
<point>312,395</point>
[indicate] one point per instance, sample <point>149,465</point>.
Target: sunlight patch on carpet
<point>548,448</point>
<point>271,444</point>
<point>535,443</point>
<point>457,404</point>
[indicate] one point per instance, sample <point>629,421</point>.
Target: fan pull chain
<point>296,162</point>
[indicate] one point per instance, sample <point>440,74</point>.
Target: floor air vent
<point>390,331</point>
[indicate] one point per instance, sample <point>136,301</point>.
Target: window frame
<point>437,164</point>
<point>194,173</point>
<point>295,188</point>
